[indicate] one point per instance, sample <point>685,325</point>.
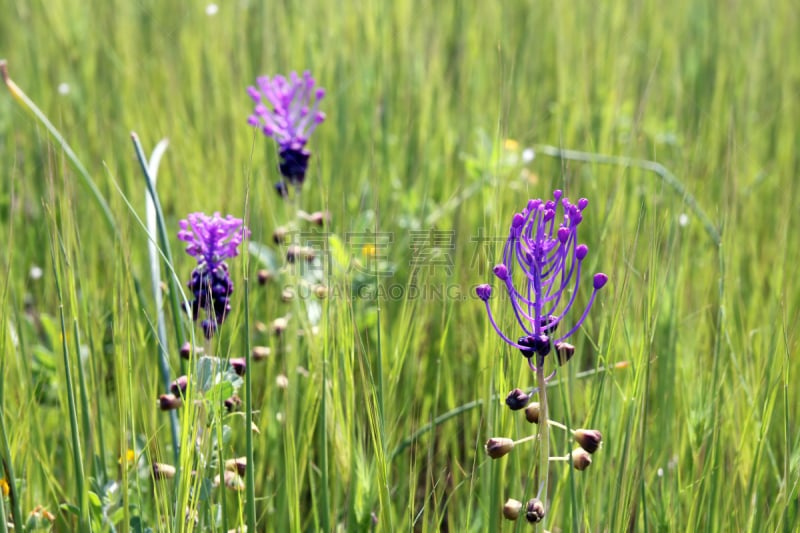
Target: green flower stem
<point>544,435</point>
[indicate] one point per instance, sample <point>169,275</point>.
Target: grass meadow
<point>677,121</point>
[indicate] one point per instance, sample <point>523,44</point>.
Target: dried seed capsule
<point>511,509</point>
<point>581,459</point>
<point>498,447</point>
<point>532,413</point>
<point>163,471</point>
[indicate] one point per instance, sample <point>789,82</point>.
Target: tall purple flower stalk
<point>541,272</point>
<point>288,111</point>
<point>212,240</point>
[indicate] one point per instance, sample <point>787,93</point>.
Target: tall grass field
<point>357,382</point>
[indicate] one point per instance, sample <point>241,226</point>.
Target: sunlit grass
<point>378,418</point>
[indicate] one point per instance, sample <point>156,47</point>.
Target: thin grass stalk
<point>77,457</point>
<point>786,434</point>
<point>382,458</point>
<point>87,426</point>
<point>98,407</point>
<point>323,444</point>
<point>250,483</point>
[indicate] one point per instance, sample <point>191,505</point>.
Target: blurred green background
<point>430,108</point>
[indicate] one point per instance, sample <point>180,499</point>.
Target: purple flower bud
<point>534,511</point>
<point>233,403</point>
<point>580,251</point>
<point>239,365</point>
<point>178,387</point>
<point>588,439</point>
<point>169,402</point>
<point>564,351</point>
<point>549,323</point>
<point>501,271</point>
<point>483,291</point>
<point>541,344</point>
<point>582,203</point>
<point>517,221</point>
<point>600,281</point>
<point>186,350</point>
<point>529,344</point>
<point>517,399</point>
<point>497,447</point>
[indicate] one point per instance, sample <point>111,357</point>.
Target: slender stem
<point>526,439</point>
<point>250,482</point>
<point>544,433</point>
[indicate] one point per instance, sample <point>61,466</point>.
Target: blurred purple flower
<point>288,111</point>
<point>541,272</point>
<point>212,240</point>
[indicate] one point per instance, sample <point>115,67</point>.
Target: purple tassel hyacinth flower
<point>541,266</point>
<point>212,240</point>
<point>288,111</point>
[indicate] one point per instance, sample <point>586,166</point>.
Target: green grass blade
<point>154,222</point>
<point>77,455</point>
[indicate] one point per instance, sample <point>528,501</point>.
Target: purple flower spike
<point>541,268</point>
<point>212,240</point>
<point>288,111</point>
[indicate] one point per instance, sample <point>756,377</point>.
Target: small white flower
<point>683,220</point>
<point>36,272</point>
<point>63,88</point>
<point>282,381</point>
<point>528,155</point>
<point>212,9</point>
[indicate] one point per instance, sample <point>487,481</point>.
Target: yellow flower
<point>130,457</point>
<point>369,250</point>
<point>4,486</point>
<point>510,145</point>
